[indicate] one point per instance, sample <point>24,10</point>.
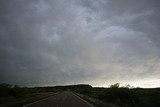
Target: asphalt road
<point>65,99</point>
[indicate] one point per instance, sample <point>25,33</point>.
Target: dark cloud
<point>68,42</point>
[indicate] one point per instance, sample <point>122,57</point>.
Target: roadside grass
<point>121,97</point>
<point>96,102</point>
<point>12,101</point>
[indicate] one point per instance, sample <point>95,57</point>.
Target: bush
<point>116,85</point>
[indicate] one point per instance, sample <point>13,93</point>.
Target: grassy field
<point>16,96</point>
<point>12,101</point>
<point>121,97</point>
<point>96,102</point>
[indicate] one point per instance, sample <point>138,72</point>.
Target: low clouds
<point>69,42</point>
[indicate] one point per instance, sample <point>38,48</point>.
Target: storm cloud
<point>97,42</point>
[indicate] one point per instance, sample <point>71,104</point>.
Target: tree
<point>116,85</point>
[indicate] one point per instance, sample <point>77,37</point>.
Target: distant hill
<point>74,87</point>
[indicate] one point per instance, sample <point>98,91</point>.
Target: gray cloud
<point>68,42</point>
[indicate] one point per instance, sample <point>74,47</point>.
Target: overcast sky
<point>96,42</point>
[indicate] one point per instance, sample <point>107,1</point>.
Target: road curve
<point>65,99</point>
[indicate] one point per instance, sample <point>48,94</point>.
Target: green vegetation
<point>16,96</point>
<point>114,96</point>
<point>117,96</point>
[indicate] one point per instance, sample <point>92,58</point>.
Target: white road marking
<point>62,99</point>
<point>39,101</point>
<point>36,102</point>
<point>82,100</point>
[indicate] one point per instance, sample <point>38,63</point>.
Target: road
<point>65,99</point>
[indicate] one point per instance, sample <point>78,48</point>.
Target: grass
<point>12,101</point>
<point>96,102</point>
<point>122,97</point>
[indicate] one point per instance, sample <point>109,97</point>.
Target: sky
<point>96,42</point>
